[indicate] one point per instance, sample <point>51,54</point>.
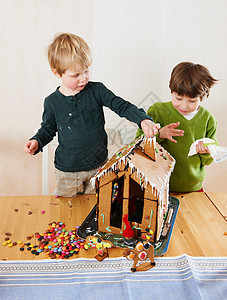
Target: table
<point>199,229</point>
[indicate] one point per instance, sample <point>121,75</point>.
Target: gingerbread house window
<point>136,202</point>
<point>117,202</point>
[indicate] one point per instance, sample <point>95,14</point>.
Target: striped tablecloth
<point>181,277</point>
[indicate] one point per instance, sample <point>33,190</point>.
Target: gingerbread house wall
<point>150,206</point>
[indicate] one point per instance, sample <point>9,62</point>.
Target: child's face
<point>74,81</point>
<point>184,104</point>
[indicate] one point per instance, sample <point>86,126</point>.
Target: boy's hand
<point>149,128</point>
<point>168,131</point>
<point>201,149</point>
<point>31,146</point>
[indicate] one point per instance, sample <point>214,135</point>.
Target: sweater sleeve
<point>206,159</point>
<point>48,127</point>
<point>122,107</point>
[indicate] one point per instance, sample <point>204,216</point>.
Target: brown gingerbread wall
<point>104,203</point>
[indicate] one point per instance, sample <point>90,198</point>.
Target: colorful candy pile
<point>56,242</point>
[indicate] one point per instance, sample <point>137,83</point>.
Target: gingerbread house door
<point>124,194</point>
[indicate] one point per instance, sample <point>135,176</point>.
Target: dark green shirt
<point>79,121</point>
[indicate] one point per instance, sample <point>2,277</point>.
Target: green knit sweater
<point>189,172</point>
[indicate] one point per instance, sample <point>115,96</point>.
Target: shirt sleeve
<point>122,107</point>
<point>48,127</point>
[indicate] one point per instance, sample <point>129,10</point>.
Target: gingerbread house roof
<point>153,167</point>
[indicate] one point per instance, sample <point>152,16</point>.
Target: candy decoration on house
<point>128,233</point>
<point>100,245</point>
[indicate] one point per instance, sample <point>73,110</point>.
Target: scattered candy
<point>66,243</point>
<point>42,211</point>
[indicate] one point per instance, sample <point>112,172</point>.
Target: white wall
<point>135,45</point>
<point>26,29</point>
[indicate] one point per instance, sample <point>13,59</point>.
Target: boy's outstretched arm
<point>149,128</point>
<point>31,146</point>
<point>168,131</point>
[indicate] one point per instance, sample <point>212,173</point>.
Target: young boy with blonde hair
<point>75,111</point>
<point>189,84</point>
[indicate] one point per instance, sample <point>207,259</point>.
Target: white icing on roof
<point>156,173</point>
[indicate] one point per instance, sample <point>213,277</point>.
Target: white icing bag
<point>218,153</point>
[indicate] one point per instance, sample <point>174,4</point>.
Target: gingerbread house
<point>134,182</point>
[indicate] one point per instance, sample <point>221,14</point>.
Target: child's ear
<point>55,73</point>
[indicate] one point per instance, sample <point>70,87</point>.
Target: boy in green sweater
<point>75,111</point>
<point>185,119</point>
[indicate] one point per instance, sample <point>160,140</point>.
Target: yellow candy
<point>8,242</point>
<point>85,247</point>
<point>4,244</point>
<point>170,165</point>
<point>131,255</point>
<point>148,237</point>
<point>10,245</point>
<point>94,240</point>
<point>19,242</point>
<point>151,231</point>
<point>139,246</point>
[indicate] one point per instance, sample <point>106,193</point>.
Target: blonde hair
<point>192,80</point>
<point>66,51</point>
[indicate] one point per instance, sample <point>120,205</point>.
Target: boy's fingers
<point>174,125</point>
<point>157,125</point>
<point>177,132</point>
<point>172,140</point>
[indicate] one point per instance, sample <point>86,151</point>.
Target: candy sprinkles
<point>55,242</point>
